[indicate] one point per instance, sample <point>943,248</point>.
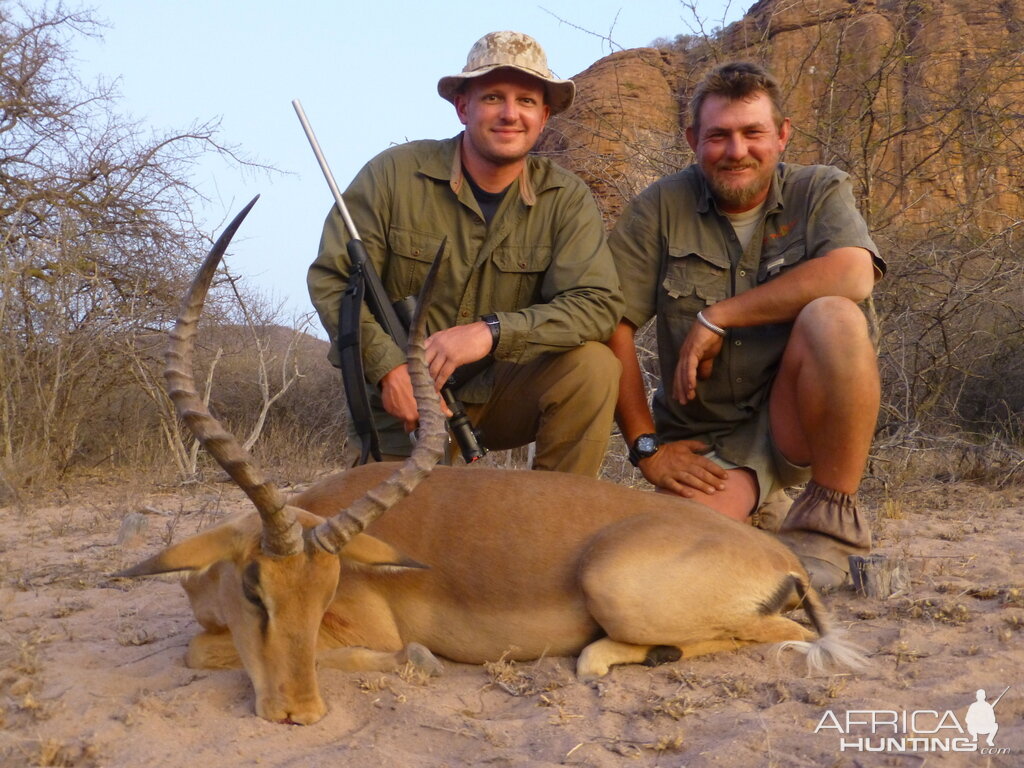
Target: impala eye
<point>250,583</point>
<point>252,597</point>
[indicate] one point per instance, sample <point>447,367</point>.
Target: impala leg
<point>597,658</point>
<point>212,650</point>
<point>355,659</point>
<point>774,629</point>
<point>765,629</point>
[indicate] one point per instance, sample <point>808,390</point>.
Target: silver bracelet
<point>709,325</point>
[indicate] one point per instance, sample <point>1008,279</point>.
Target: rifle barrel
<point>308,129</point>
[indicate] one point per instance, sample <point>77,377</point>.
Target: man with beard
<point>754,269</point>
<point>526,280</point>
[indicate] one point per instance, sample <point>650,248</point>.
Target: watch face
<point>646,445</point>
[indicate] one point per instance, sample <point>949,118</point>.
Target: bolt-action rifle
<point>364,284</point>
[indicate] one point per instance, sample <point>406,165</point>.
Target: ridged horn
<point>282,534</point>
<point>332,534</point>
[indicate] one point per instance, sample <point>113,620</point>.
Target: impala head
<point>274,575</point>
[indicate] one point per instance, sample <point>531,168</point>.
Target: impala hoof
<point>423,660</point>
<point>589,668</point>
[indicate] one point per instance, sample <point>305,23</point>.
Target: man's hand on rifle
<point>452,347</point>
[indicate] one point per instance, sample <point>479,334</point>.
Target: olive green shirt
<point>677,254</point>
<point>543,265</point>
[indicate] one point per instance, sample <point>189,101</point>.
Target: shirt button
<point>739,379</point>
<point>415,251</point>
<point>738,343</point>
<point>743,273</point>
<point>464,313</point>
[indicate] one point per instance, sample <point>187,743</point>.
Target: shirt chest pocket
<point>520,271</point>
<point>414,252</point>
<point>695,280</point>
<point>775,262</point>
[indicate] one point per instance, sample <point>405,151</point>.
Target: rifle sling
<point>352,374</point>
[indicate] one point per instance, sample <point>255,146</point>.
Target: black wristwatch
<point>643,447</point>
<point>494,326</point>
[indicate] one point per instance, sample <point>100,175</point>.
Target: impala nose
<point>305,713</point>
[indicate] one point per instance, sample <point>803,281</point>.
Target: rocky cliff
<point>920,100</point>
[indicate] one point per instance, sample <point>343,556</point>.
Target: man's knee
<point>830,316</point>
<point>590,371</point>
<point>595,357</point>
<point>833,325</point>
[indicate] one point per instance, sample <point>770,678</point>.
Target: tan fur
<point>479,564</point>
<point>475,565</point>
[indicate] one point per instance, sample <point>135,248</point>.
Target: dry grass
<point>636,749</point>
<point>60,754</point>
<point>675,707</point>
<point>380,685</point>
<point>523,679</point>
<point>892,509</point>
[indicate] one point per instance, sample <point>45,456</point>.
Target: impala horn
<point>332,534</point>
<point>282,534</point>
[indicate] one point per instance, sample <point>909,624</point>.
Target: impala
<point>376,566</point>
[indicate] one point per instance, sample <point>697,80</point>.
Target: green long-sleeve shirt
<point>542,265</point>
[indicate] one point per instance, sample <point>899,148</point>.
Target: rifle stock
<point>376,298</point>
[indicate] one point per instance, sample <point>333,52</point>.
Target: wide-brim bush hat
<point>510,50</point>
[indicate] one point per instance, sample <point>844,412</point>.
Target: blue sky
<point>366,73</point>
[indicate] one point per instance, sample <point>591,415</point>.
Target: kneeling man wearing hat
<point>526,279</point>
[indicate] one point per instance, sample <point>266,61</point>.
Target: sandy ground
<point>92,671</point>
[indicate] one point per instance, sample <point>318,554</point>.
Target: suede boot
<point>771,514</point>
<point>824,528</point>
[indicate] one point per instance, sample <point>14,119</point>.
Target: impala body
<point>376,567</point>
<point>531,563</point>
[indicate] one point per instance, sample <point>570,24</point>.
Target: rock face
<point>624,130</point>
<point>919,100</point>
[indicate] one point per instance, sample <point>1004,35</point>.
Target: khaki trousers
<point>565,402</point>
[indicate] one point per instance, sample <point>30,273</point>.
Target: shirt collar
<point>446,165</point>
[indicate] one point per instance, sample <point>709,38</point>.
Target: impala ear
<point>365,549</point>
<point>223,542</point>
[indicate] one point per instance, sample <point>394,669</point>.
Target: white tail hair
<point>829,652</point>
